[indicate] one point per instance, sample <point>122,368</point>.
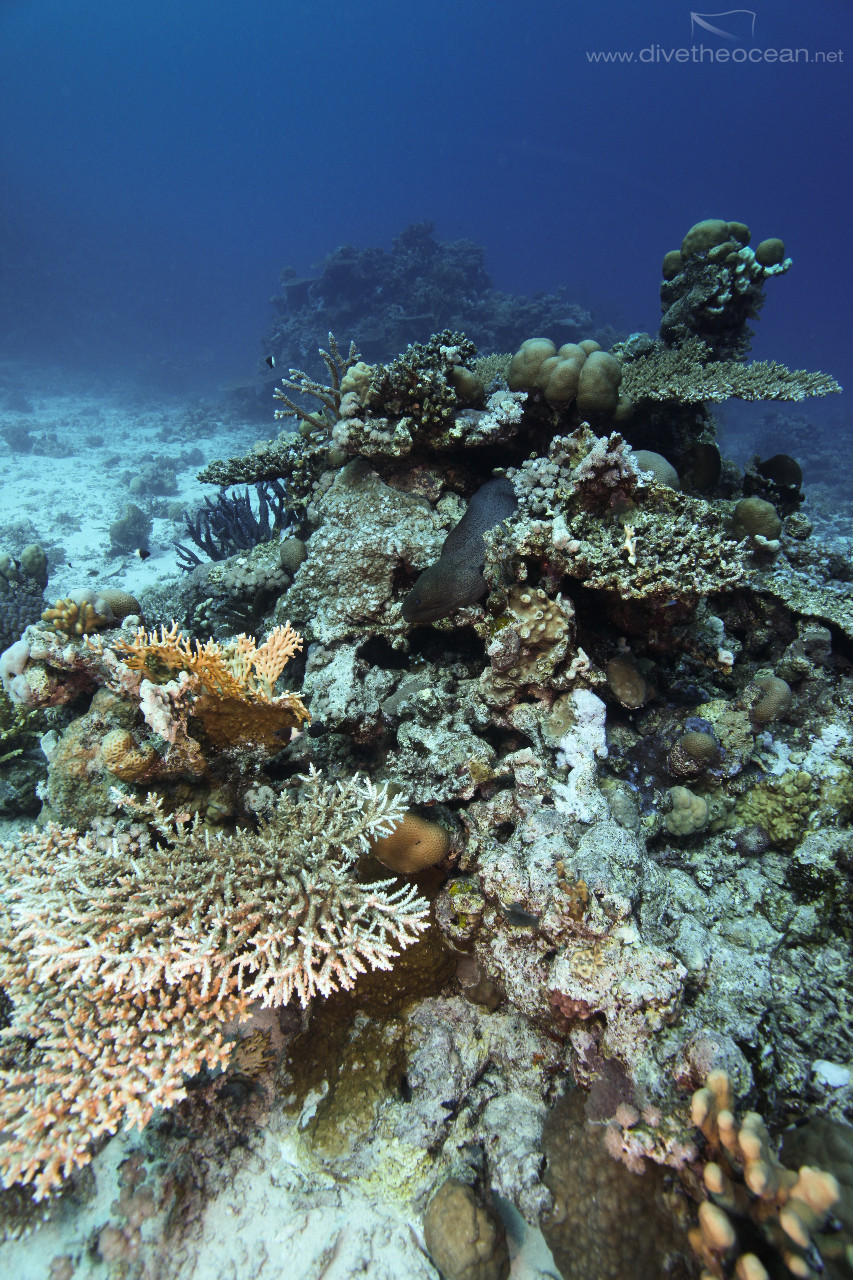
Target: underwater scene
<point>426,641</point>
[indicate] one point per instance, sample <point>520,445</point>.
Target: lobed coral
<point>578,374</point>
<point>714,285</point>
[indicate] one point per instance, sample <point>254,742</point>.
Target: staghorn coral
<point>425,403</point>
<point>125,963</point>
<point>459,427</point>
<point>329,396</point>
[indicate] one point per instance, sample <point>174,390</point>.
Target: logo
<point>734,24</point>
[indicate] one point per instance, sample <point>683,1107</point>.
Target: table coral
<point>687,374</point>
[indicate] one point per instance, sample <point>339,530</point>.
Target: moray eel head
<point>457,577</point>
<point>443,587</point>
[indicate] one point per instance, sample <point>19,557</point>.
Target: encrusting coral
<point>126,963</point>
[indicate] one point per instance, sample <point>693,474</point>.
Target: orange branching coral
<point>231,687</point>
<point>240,670</point>
<point>125,963</point>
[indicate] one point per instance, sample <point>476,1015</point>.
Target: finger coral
<point>758,1211</point>
<point>76,617</point>
<point>124,964</point>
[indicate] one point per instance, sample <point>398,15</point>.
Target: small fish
<point>141,553</point>
<point>515,914</point>
<point>270,361</point>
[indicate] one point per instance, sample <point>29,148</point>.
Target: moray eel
<point>456,579</point>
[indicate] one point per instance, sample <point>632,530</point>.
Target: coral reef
<point>609,671</point>
<point>421,286</point>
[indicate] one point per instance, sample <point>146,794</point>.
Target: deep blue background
<point>162,160</point>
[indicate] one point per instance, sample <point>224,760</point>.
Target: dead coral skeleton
<point>125,960</point>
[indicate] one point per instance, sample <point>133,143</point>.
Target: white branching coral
<point>124,963</point>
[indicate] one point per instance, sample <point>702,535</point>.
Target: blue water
<point>162,160</point>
